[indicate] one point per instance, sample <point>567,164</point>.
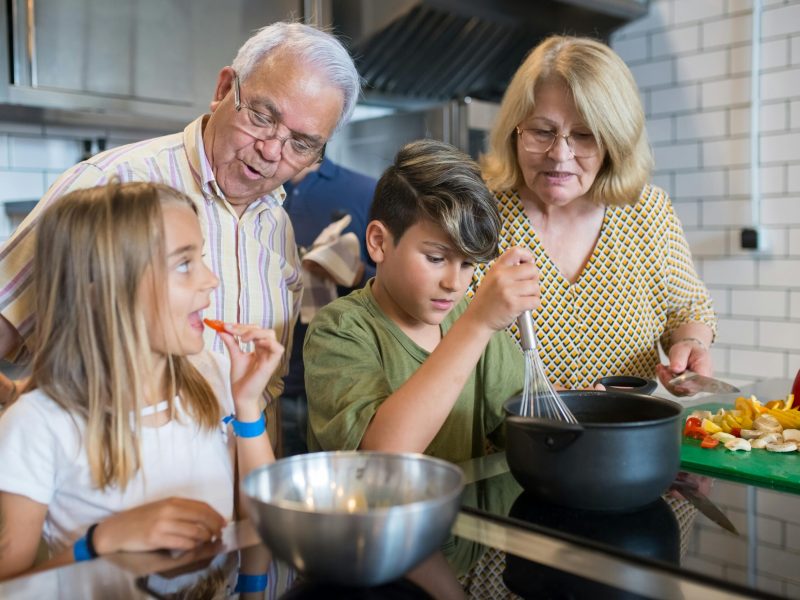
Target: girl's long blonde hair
<point>92,354</point>
<point>606,96</point>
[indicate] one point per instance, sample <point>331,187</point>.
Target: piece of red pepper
<point>697,433</point>
<point>215,325</point>
<point>709,442</point>
<point>693,425</point>
<point>736,431</point>
<point>690,423</point>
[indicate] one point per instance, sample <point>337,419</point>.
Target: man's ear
<point>378,237</point>
<point>224,86</point>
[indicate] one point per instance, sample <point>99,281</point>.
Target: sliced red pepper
<point>736,431</point>
<point>215,325</point>
<point>697,433</point>
<point>691,424</point>
<point>709,442</point>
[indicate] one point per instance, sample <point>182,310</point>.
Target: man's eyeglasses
<point>263,125</point>
<point>541,141</point>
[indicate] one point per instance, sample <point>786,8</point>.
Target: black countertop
<point>506,545</point>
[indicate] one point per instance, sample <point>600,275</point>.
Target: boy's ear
<point>377,238</point>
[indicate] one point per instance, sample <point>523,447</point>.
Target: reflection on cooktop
<point>401,589</point>
<point>651,532</point>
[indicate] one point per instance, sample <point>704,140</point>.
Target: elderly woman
<point>569,163</point>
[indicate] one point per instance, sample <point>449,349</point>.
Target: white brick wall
<point>699,124</point>
<point>691,59</point>
<point>33,156</point>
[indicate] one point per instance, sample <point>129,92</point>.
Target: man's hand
<point>10,340</point>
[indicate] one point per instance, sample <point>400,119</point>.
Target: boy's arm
<point>409,419</point>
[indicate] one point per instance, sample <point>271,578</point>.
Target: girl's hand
<point>251,371</point>
<point>172,524</point>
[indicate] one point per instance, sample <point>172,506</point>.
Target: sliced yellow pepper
<point>710,426</point>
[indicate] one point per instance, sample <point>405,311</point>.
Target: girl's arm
<point>250,373</point>
<point>172,523</point>
<point>21,522</point>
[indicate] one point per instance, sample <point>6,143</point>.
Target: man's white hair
<point>317,48</point>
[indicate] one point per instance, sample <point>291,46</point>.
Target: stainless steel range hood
<point>435,50</point>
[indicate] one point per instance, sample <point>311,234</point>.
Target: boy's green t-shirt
<point>355,357</point>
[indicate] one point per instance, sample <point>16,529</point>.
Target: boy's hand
<point>250,371</point>
<point>510,287</point>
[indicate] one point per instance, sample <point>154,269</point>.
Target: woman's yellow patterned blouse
<point>637,287</point>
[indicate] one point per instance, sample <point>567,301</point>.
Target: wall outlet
<point>753,239</point>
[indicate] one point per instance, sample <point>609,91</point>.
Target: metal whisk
<point>539,399</point>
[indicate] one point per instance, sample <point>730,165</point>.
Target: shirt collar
<point>202,171</point>
<point>327,169</point>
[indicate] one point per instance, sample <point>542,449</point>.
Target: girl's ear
<point>378,237</point>
<point>224,86</point>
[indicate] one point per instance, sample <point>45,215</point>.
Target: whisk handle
<point>525,326</point>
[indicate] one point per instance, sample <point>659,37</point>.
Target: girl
<point>120,443</point>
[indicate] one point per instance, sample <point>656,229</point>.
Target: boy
<point>380,372</point>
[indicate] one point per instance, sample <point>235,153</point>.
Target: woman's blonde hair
<point>606,97</point>
<point>94,248</point>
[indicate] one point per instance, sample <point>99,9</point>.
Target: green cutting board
<point>758,467</point>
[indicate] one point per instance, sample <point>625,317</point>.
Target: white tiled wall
<point>33,156</point>
<point>691,59</point>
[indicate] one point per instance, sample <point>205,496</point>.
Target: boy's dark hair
<point>435,181</point>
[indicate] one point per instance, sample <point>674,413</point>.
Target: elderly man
<point>289,88</point>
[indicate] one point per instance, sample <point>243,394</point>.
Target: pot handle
<point>555,435</point>
<point>628,383</point>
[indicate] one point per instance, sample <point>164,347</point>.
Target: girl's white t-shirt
<point>42,457</point>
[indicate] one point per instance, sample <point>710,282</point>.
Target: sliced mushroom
<point>767,438</point>
<point>767,423</point>
<point>791,435</point>
<point>701,414</point>
<point>738,444</point>
<point>782,447</point>
<point>750,434</point>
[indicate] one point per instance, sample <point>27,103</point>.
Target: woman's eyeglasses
<point>541,141</point>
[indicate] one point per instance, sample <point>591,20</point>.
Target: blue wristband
<point>251,583</point>
<point>83,549</point>
<point>251,429</point>
<point>80,550</point>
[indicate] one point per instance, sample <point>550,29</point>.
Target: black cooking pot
<point>624,453</point>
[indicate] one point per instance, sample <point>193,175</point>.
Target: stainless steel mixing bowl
<point>354,518</point>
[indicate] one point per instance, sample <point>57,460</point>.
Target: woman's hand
<point>690,354</point>
<point>250,371</point>
<point>683,355</point>
<point>510,287</point>
<point>172,523</point>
